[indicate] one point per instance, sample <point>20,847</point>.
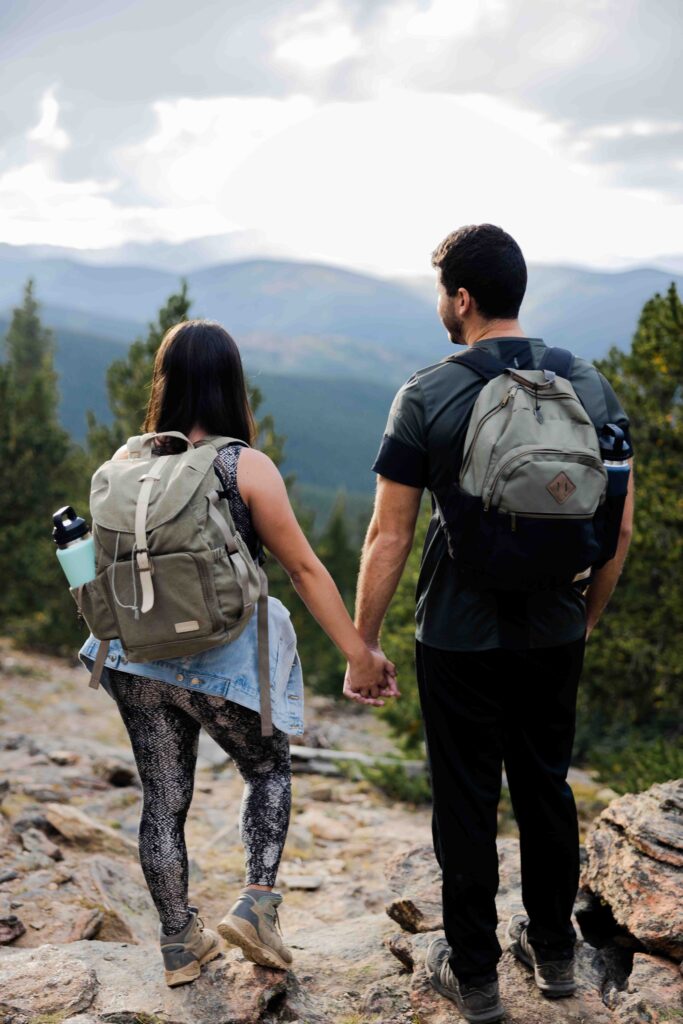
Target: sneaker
<point>555,978</point>
<point>477,1003</point>
<point>186,951</point>
<point>252,923</point>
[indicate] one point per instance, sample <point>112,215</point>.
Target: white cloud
<point>315,40</point>
<point>47,131</point>
<point>378,184</point>
<point>198,143</point>
<point>442,19</point>
<point>40,208</point>
<point>543,116</point>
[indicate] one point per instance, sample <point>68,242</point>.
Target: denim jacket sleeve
<point>230,670</point>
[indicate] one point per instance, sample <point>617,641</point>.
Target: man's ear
<point>464,303</point>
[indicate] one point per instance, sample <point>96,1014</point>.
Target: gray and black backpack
<point>533,506</point>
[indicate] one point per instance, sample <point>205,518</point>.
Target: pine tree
<point>128,387</point>
<point>337,553</point>
<point>129,380</point>
<point>40,471</point>
<point>633,675</point>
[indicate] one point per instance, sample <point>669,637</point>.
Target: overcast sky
<point>354,132</point>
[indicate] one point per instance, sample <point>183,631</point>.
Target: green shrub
<point>637,763</point>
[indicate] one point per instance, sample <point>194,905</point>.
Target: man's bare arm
<point>605,578</point>
<point>386,548</point>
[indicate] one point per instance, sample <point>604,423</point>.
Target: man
<point>497,671</point>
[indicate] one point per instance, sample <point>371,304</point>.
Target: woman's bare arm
<point>263,489</point>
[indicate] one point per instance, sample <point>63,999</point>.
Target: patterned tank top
<point>226,468</point>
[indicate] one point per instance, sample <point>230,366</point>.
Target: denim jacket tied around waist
<point>230,670</point>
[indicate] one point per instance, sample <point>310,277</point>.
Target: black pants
<point>482,709</point>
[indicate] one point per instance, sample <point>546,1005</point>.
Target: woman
<point>198,388</point>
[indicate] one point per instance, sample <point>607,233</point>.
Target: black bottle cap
<point>611,439</point>
<point>68,526</point>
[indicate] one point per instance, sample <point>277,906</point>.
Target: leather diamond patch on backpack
<point>561,487</point>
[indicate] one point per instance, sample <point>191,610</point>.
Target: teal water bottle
<point>75,546</point>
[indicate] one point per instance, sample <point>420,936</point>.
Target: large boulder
<point>94,982</point>
<point>608,992</point>
<point>415,877</point>
<point>653,993</point>
<point>35,983</point>
<point>634,862</point>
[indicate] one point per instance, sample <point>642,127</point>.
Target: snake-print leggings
<point>163,722</point>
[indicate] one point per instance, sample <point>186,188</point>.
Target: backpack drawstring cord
<point>133,607</point>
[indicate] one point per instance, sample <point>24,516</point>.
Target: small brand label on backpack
<point>186,627</point>
<point>561,487</point>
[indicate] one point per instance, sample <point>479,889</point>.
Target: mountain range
<point>327,346</point>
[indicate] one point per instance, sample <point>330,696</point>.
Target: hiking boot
<point>186,951</point>
<point>477,1003</point>
<point>555,978</point>
<point>252,923</point>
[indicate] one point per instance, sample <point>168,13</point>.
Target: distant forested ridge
<point>315,337</point>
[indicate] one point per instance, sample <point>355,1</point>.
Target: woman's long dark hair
<point>198,380</point>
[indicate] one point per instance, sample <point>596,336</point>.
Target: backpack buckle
<point>145,563</point>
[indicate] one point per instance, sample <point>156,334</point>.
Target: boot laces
<point>274,916</point>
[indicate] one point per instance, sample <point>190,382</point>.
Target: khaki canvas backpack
<point>173,575</point>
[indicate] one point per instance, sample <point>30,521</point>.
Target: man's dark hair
<point>486,261</point>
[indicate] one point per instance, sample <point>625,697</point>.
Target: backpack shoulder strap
<point>592,397</point>
<point>480,362</point>
<point>220,444</point>
<point>560,360</point>
<point>588,388</point>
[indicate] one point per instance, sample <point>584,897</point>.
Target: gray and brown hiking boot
<point>555,978</point>
<point>186,951</point>
<point>252,924</point>
<point>479,1004</point>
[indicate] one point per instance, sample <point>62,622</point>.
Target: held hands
<point>369,677</point>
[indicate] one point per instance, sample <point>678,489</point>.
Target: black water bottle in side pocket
<point>608,519</point>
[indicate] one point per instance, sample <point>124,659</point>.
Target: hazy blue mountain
<point>305,318</point>
<point>349,415</point>
<point>584,310</point>
<point>178,257</point>
<point>327,346</point>
<point>333,427</point>
<point>287,317</point>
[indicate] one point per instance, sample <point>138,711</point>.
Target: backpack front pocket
<point>547,482</point>
<point>183,602</point>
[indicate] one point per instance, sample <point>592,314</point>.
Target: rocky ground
<point>78,932</point>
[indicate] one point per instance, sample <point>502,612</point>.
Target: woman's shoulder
<point>255,469</point>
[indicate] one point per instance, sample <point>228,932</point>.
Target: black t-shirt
<point>422,447</point>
